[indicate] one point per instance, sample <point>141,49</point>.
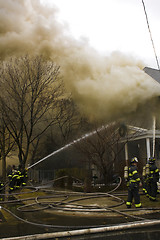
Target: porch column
<point>148,148</point>
<point>126,153</point>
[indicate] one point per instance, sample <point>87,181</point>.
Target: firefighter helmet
<point>152,160</point>
<point>134,160</point>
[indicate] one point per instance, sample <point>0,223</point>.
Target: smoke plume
<point>104,87</point>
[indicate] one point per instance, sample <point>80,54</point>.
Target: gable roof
<point>154,73</point>
<point>136,133</point>
<point>146,134</point>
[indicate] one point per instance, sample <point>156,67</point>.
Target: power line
<point>150,35</point>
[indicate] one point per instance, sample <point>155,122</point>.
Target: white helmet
<point>134,160</point>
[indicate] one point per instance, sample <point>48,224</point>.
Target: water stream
<point>68,145</point>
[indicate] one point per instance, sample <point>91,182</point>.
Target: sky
<point>111,25</point>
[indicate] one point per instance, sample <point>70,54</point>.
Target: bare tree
<point>31,88</point>
<point>105,146</point>
<point>69,120</point>
<point>99,149</point>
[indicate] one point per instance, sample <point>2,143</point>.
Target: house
<point>154,73</point>
<point>146,142</point>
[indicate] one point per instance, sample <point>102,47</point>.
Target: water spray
<point>69,145</point>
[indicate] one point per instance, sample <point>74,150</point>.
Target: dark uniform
<point>19,177</point>
<point>24,176</point>
<point>133,185</point>
<point>1,191</point>
<point>153,178</point>
<point>144,180</point>
<point>11,186</point>
<point>12,176</point>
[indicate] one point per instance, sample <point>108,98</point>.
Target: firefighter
<point>1,191</point>
<point>153,178</point>
<point>19,177</point>
<point>133,185</point>
<point>12,176</point>
<point>144,180</point>
<point>147,172</point>
<point>24,176</point>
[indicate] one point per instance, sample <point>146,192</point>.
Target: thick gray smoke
<point>104,87</point>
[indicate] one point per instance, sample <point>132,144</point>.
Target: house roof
<point>136,133</point>
<point>154,73</point>
<point>146,134</point>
